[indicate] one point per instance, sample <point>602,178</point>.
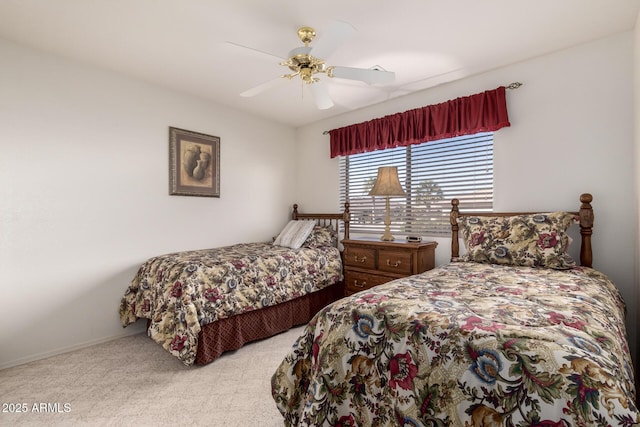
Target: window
<point>431,173</point>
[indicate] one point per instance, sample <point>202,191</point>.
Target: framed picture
<point>194,163</point>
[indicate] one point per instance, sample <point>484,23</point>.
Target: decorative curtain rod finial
<point>514,85</point>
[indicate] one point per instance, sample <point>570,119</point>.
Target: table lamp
<point>387,184</point>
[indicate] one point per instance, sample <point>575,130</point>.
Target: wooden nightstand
<point>370,262</point>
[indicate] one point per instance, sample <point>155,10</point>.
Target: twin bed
<point>511,333</point>
<point>200,304</point>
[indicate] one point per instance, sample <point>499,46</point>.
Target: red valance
<point>482,112</point>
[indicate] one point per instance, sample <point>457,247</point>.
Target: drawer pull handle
<point>362,259</point>
<point>357,285</point>
<point>397,264</point>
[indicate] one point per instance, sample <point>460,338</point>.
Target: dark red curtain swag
<point>482,112</point>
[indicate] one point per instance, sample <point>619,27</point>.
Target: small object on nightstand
<point>371,262</point>
<point>414,239</point>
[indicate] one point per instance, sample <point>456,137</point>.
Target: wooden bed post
<point>346,217</point>
<point>586,229</point>
<point>294,214</point>
<point>455,248</point>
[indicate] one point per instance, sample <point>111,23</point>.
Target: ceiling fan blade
<point>321,95</point>
<point>266,55</point>
<point>337,33</point>
<point>369,76</point>
<point>261,88</point>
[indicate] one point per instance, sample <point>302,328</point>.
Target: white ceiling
<point>183,44</point>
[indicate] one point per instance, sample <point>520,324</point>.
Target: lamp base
<point>387,237</point>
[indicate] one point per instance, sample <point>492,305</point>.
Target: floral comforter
<point>466,344</point>
<point>182,291</point>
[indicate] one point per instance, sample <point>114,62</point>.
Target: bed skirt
<point>232,333</point>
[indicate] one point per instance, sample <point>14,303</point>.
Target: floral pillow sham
<point>321,236</point>
<point>537,240</point>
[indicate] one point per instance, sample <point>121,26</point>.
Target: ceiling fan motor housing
<point>303,64</point>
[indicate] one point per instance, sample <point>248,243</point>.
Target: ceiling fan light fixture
<point>306,74</point>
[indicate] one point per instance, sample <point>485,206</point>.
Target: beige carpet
<point>132,381</point>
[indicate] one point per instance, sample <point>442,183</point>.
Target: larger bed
<point>199,304</point>
<point>511,334</point>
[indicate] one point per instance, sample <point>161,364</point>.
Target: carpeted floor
<point>132,381</point>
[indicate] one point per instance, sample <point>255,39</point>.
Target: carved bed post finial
<point>294,214</point>
<point>346,219</point>
<point>453,216</point>
<point>586,230</point>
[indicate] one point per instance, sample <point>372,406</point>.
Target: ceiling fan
<point>307,63</point>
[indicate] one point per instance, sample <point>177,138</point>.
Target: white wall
<point>571,132</point>
<point>84,194</point>
<point>636,164</point>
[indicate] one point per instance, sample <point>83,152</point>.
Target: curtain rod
<point>514,85</point>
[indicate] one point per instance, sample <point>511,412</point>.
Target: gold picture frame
<point>194,163</point>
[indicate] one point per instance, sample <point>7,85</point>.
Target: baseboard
<point>132,330</point>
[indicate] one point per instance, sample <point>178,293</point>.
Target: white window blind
<point>431,174</point>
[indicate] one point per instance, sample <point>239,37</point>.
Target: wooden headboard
<point>586,226</point>
<point>327,219</point>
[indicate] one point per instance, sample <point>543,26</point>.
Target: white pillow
<point>294,234</point>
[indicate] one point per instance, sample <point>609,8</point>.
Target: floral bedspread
<point>466,344</point>
<point>180,292</point>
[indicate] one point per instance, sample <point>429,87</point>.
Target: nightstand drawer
<point>356,281</point>
<point>370,262</point>
<point>394,261</point>
<point>360,257</point>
